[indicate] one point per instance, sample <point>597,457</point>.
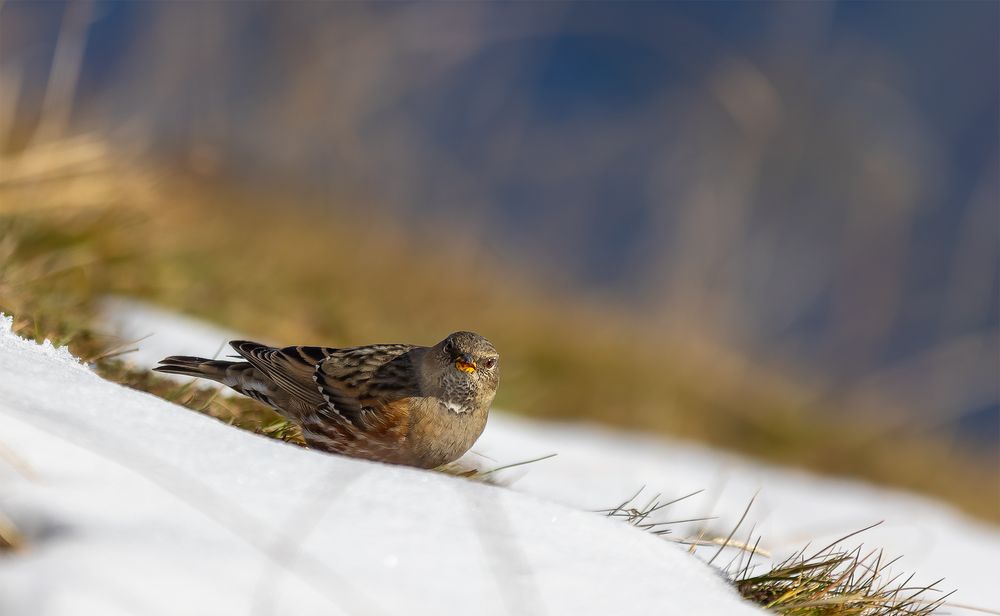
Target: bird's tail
<point>239,375</point>
<point>225,372</point>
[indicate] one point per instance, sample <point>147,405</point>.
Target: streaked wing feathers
<point>290,368</point>
<point>348,379</point>
<point>336,380</point>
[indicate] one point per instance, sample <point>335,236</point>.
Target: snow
<point>132,505</point>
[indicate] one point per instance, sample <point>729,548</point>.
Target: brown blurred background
<point>742,223</point>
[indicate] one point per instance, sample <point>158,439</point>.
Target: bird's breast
<point>441,431</point>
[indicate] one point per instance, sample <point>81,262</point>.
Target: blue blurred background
<point>814,182</point>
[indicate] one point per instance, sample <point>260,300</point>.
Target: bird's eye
<point>449,347</point>
<point>490,363</point>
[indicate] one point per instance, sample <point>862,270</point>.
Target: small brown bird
<point>396,403</point>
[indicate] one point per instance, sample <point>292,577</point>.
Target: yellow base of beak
<point>465,367</point>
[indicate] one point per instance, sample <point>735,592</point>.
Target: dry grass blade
<point>515,464</point>
<point>834,581</point>
<point>485,475</point>
<point>117,351</point>
<point>10,537</point>
<point>20,466</point>
<point>729,539</point>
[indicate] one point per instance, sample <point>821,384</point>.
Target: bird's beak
<point>465,364</point>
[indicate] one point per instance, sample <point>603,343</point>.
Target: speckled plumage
<point>396,403</point>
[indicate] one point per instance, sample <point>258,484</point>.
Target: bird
<point>395,403</point>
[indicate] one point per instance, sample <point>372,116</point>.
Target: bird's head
<point>468,358</point>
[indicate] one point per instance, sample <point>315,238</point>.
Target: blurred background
<point>771,227</point>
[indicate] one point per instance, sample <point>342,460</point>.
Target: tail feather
<point>241,376</point>
<point>213,369</point>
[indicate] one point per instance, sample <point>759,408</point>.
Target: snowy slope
<point>598,468</point>
<point>131,505</point>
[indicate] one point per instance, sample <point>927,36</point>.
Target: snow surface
<point>132,505</point>
<point>596,468</point>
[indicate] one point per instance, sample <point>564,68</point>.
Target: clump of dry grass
<point>837,581</point>
<point>831,581</point>
<point>58,259</point>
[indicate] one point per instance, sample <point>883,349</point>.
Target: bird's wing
<point>336,382</point>
<point>290,368</point>
<point>361,380</point>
